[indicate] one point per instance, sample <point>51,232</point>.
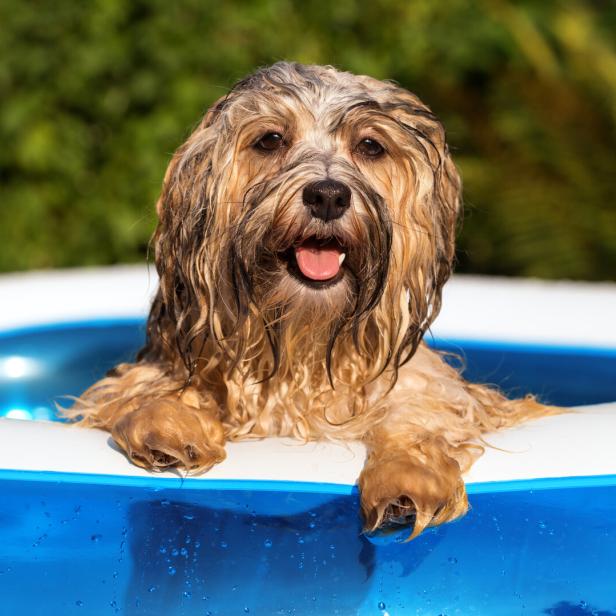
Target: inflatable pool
<point>275,528</point>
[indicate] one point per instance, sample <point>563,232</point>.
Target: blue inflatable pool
<point>275,528</point>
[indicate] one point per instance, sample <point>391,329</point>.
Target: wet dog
<point>306,229</point>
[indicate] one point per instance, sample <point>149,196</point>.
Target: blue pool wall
<point>116,545</point>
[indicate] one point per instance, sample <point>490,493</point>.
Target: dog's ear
<point>190,165</point>
<point>181,240</point>
<point>430,214</point>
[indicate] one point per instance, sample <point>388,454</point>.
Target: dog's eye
<point>370,148</point>
<point>270,142</point>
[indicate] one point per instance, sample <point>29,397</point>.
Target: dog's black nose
<point>327,199</point>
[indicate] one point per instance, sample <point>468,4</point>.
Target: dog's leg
<point>429,436</point>
<point>154,419</point>
<point>416,485</point>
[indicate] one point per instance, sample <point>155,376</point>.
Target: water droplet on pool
<point>96,538</point>
<point>162,549</point>
<point>381,605</point>
<point>188,516</point>
<point>79,603</point>
<point>187,594</point>
<point>151,588</point>
<point>224,545</point>
<point>300,539</point>
<point>171,570</point>
<point>174,552</point>
<point>452,560</point>
<point>246,610</point>
<point>542,524</point>
<point>165,502</point>
<point>268,543</point>
<point>311,525</point>
<point>184,552</point>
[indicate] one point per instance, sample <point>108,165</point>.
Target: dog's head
<point>309,204</point>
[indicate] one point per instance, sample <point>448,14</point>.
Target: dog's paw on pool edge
<point>402,493</point>
<point>156,439</point>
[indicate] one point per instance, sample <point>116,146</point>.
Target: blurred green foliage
<point>96,95</point>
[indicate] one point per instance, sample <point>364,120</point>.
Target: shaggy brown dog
<point>306,230</point>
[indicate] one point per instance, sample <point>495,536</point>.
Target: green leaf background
<point>95,96</point>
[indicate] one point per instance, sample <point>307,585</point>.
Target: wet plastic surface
<point>120,549</point>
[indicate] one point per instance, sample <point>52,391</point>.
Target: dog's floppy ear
<point>190,165</point>
<point>431,215</point>
<point>180,241</point>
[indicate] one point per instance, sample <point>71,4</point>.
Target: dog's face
<point>309,198</point>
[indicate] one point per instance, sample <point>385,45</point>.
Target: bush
<point>98,94</point>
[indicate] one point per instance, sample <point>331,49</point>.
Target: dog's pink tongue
<point>318,262</point>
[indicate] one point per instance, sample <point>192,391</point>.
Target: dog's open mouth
<point>316,262</point>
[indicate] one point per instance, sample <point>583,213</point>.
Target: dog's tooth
<point>341,257</point>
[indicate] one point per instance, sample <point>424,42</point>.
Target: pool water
<point>40,365</point>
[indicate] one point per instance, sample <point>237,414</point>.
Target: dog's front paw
<point>159,436</point>
<point>402,491</point>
